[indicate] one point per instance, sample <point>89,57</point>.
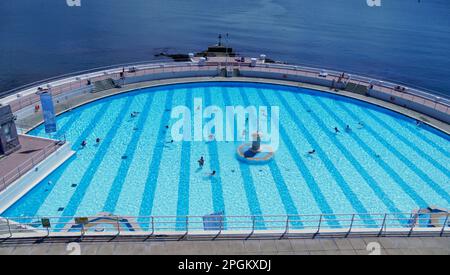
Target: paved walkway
<point>325,246</point>
<point>30,154</point>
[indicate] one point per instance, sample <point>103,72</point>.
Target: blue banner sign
<point>49,112</point>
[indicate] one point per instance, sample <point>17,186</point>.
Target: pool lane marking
<point>346,189</point>
<point>152,178</point>
<point>216,181</point>
<point>117,185</point>
<point>371,182</point>
<point>416,170</point>
<point>73,118</point>
<point>233,188</point>
<point>423,136</point>
<point>418,131</point>
<point>419,151</point>
<point>185,175</point>
<point>320,199</point>
<point>249,185</point>
<point>408,122</point>
<point>34,196</point>
<point>97,117</point>
<point>86,179</point>
<point>283,190</point>
<point>88,130</point>
<point>285,195</point>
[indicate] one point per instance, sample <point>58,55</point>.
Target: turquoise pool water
<point>387,165</point>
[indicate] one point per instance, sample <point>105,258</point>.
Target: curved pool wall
<point>64,88</point>
<point>388,166</point>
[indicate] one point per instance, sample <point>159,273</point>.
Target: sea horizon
<point>398,41</point>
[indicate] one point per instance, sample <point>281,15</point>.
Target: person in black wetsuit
<point>201,162</point>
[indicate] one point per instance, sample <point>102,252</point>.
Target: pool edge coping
<point>432,122</point>
<point>17,195</point>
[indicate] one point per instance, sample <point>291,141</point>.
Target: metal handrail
<point>315,67</point>
<point>151,65</point>
<point>80,80</point>
<point>81,72</point>
<point>118,225</point>
<point>430,95</point>
<point>27,166</point>
<point>379,214</point>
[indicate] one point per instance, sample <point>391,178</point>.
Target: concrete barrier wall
<point>77,92</point>
<point>373,93</point>
<point>29,110</point>
<point>168,75</point>
<point>288,74</point>
<point>290,77</point>
<point>411,105</point>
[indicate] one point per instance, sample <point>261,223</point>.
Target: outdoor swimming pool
<point>386,164</point>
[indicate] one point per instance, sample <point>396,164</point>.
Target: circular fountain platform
<point>262,156</point>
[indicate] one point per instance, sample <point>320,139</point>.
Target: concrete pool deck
<point>320,246</point>
<point>33,151</point>
<point>26,124</point>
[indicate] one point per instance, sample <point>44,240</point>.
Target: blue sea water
<point>403,40</point>
<point>388,166</point>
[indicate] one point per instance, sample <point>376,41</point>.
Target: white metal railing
<point>28,165</point>
<point>344,224</point>
<point>62,85</point>
<point>55,79</point>
<point>65,86</point>
<point>365,80</point>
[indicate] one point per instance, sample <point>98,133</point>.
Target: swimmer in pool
<point>201,162</point>
<point>336,130</point>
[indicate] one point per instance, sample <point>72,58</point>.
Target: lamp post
<point>226,53</point>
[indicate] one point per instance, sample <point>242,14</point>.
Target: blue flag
<point>49,112</point>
